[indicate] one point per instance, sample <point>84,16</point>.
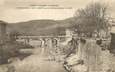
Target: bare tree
<point>93,17</point>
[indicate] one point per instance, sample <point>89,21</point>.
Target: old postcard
<point>57,36</point>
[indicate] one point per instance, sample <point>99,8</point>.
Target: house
<point>2,31</point>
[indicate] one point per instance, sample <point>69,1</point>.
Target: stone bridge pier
<point>50,42</point>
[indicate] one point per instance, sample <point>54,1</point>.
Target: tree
<point>13,35</point>
<point>92,18</point>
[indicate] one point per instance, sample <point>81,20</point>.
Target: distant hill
<point>41,27</point>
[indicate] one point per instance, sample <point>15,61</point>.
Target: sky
<point>11,13</point>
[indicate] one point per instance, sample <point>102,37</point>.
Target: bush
<point>9,50</point>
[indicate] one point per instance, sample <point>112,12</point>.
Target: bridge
<point>42,41</point>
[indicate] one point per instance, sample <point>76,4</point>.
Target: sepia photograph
<point>57,35</point>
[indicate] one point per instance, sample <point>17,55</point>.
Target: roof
<point>2,22</point>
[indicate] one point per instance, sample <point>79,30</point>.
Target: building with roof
<point>2,31</point>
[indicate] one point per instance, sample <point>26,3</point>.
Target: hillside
<point>40,27</point>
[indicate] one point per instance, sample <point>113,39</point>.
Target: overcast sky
<point>9,13</point>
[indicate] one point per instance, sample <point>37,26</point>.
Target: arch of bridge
<point>44,40</point>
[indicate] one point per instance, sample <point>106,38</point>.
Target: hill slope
<point>40,27</point>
